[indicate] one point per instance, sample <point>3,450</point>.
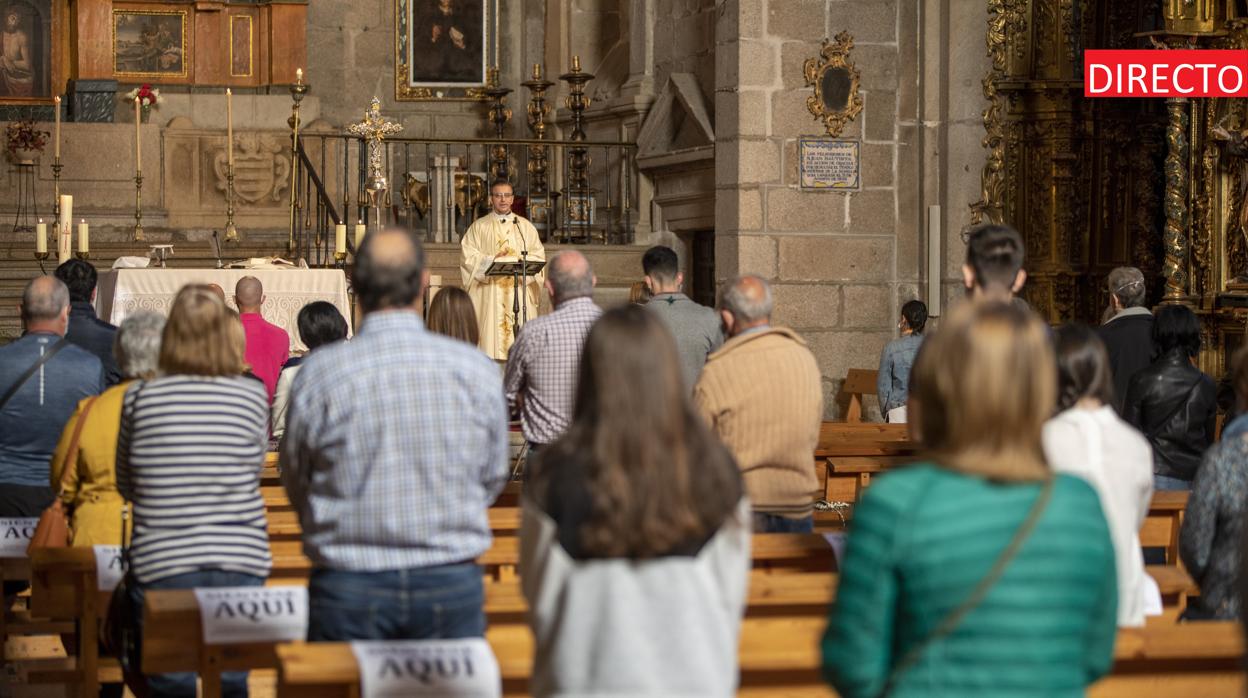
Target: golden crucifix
<point>373,129</point>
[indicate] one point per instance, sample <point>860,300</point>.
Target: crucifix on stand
<point>373,130</point>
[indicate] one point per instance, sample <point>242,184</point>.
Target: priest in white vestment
<point>499,235</point>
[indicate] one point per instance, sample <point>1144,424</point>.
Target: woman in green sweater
<point>979,572</point>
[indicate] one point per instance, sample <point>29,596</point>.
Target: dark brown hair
<point>1082,366</point>
<point>656,476</point>
<point>451,313</point>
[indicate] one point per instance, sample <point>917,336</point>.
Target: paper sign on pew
<point>452,668</point>
<point>15,535</point>
<point>109,566</point>
<point>232,615</point>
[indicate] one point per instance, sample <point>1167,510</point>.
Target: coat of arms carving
<point>261,168</point>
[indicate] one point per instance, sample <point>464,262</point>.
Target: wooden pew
<point>858,382</point>
<point>780,657</point>
<point>1165,518</point>
<point>863,439</point>
<point>64,588</point>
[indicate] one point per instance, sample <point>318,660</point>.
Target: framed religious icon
<point>150,44</point>
<point>27,56</point>
<point>443,49</point>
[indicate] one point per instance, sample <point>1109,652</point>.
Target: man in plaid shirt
<point>543,364</point>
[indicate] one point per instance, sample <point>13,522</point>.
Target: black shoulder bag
<point>34,368</point>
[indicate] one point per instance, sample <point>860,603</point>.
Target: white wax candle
<point>360,230</point>
<point>83,244</point>
<point>299,76</point>
<point>138,138</point>
<point>340,238</point>
<point>41,237</point>
<point>56,109</point>
<point>63,238</point>
<point>229,124</point>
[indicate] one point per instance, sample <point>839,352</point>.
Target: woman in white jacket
<point>1088,439</point>
<point>635,536</point>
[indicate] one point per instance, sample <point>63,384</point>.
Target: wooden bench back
<point>858,382</point>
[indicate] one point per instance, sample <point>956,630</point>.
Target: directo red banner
<point>1165,73</point>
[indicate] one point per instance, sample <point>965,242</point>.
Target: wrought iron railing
<point>573,191</point>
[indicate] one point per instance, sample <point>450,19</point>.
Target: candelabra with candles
<point>538,110</point>
<point>56,186</point>
<point>231,232</point>
<point>297,92</point>
<point>578,197</point>
<point>499,115</point>
<point>138,206</point>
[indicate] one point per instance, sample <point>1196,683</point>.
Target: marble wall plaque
<point>829,163</point>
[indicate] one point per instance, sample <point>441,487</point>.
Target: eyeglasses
<point>502,196</point>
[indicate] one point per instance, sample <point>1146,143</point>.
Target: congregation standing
<point>659,436</point>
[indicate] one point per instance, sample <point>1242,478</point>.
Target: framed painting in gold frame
<point>150,44</point>
<point>443,49</point>
<point>31,33</point>
<point>241,46</point>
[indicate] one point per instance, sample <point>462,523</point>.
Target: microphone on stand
<point>217,250</point>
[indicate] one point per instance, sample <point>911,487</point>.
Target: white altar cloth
<point>125,291</point>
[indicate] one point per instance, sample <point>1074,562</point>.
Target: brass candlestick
<point>579,198</point>
<point>499,115</point>
<point>56,186</point>
<point>297,92</point>
<point>231,233</point>
<point>82,255</point>
<point>340,260</point>
<point>41,257</point>
<point>538,110</point>
<point>138,206</point>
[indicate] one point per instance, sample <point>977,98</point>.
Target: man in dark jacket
<point>85,329</point>
<point>1128,334</point>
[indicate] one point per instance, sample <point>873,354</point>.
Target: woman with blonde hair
<point>980,571</point>
<point>634,544</point>
<point>189,457</point>
<point>451,314</point>
<point>89,486</point>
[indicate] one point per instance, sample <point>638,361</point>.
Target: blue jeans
<point>1167,483</point>
<point>422,603</point>
<point>182,684</point>
<point>771,523</point>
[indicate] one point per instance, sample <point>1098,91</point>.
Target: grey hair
<point>44,298</point>
<point>1127,284</point>
<point>570,280</point>
<point>745,306</point>
<point>137,344</point>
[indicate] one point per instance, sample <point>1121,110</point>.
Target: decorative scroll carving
<point>836,100</point>
<point>1174,237</point>
<point>261,168</point>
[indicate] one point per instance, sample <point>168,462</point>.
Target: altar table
<point>125,291</point>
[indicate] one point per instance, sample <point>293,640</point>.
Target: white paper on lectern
<point>451,668</point>
<point>15,535</point>
<point>253,614</point>
<point>109,568</point>
<point>484,266</point>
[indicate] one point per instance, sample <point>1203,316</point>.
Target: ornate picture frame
<point>835,79</point>
<point>443,49</point>
<point>36,35</point>
<point>150,44</point>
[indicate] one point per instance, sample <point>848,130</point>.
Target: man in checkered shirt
<point>544,362</point>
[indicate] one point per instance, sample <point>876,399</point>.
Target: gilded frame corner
<point>834,55</point>
<point>408,90</point>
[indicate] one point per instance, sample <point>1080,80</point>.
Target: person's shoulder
<point>1072,493</point>
<point>899,487</point>
<point>75,355</point>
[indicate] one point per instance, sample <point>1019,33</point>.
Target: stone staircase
<point>616,266</point>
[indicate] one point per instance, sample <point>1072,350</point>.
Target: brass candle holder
<point>297,92</point>
<point>537,112</point>
<point>578,198</point>
<point>82,255</point>
<point>340,260</point>
<point>42,257</point>
<point>138,207</point>
<point>231,233</point>
<point>499,115</point>
<point>56,186</point>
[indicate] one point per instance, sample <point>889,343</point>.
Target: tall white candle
<point>84,245</point>
<point>138,138</point>
<point>56,143</point>
<point>229,124</point>
<point>41,237</point>
<point>360,230</point>
<point>340,238</point>
<point>63,225</point>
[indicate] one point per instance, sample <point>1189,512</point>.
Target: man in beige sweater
<point>761,393</point>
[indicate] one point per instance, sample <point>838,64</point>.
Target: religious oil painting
<point>444,48</point>
<point>149,43</point>
<point>240,46</point>
<point>26,51</point>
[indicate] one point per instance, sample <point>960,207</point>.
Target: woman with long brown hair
<point>451,314</point>
<point>635,536</point>
<point>980,571</point>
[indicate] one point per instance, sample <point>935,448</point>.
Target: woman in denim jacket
<point>891,385</point>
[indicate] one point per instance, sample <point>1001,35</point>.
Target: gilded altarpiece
<point>1097,183</point>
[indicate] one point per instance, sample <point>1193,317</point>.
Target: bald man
<point>762,393</point>
<point>42,378</point>
<point>268,346</point>
<point>542,368</point>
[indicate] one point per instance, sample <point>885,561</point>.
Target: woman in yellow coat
<point>90,491</point>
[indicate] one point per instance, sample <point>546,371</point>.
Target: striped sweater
<point>189,455</point>
<point>762,394</point>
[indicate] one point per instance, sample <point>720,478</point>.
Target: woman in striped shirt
<point>189,456</point>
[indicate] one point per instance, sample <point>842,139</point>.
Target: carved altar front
<point>1093,184</point>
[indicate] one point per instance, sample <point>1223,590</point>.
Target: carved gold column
<point>1174,268</point>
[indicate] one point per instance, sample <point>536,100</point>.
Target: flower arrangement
<point>147,96</point>
<point>23,136</point>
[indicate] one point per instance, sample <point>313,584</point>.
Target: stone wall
<point>843,263</point>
